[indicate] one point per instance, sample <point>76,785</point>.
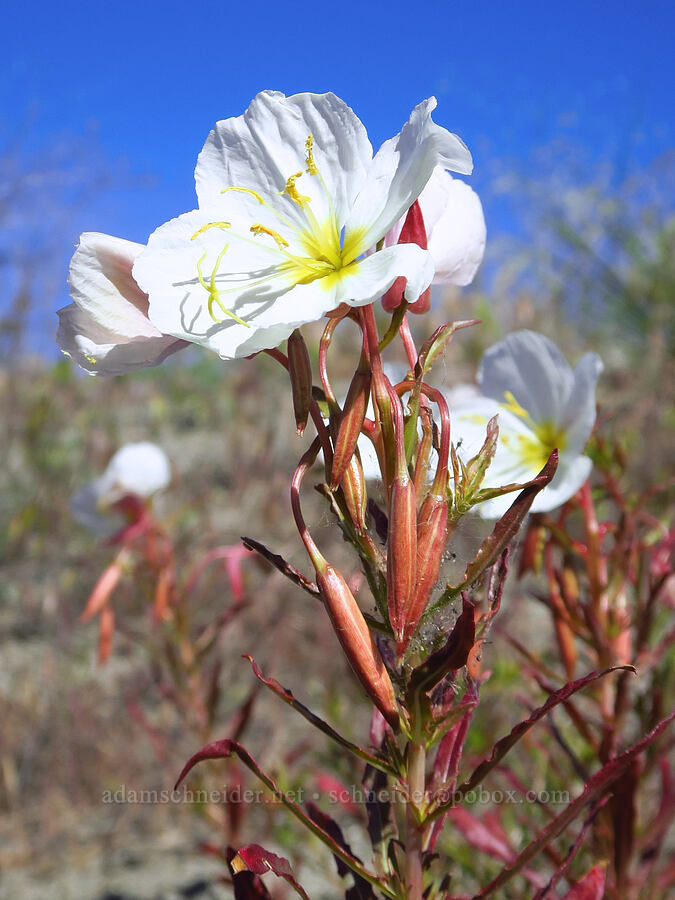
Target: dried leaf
<point>284,567</point>
<point>254,858</point>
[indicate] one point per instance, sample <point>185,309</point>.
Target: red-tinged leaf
<point>247,886</point>
<point>106,629</point>
<point>295,575</point>
<point>510,522</point>
<point>624,820</point>
<point>545,892</point>
<point>287,696</point>
<point>596,787</point>
<point>479,835</point>
<point>225,749</point>
<point>337,791</point>
<point>434,346</point>
<point>259,861</point>
<point>502,747</point>
<point>102,591</point>
<point>591,886</point>
<point>163,590</point>
<point>361,890</point>
<point>452,656</point>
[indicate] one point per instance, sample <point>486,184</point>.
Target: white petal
<point>566,482</point>
<point>369,460</point>
<point>532,368</point>
<point>100,351</point>
<point>262,148</point>
<point>141,469</point>
<point>85,509</point>
<point>400,170</point>
<point>457,239</point>
<point>102,284</point>
<point>579,415</point>
<point>359,284</point>
<point>455,226</point>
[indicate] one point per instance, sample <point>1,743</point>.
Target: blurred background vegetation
<point>589,261</point>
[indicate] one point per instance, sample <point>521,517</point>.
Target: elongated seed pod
<point>300,372</point>
<point>351,422</point>
<point>353,486</point>
<point>357,642</point>
<point>432,536</point>
<point>401,551</point>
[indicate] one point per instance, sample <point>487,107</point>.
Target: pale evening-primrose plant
<point>291,204</point>
<point>542,404</point>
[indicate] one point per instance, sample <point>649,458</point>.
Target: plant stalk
<point>414,839</point>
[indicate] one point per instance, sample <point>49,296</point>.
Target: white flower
<point>290,200</point>
<point>107,330</point>
<point>136,470</point>
<point>542,404</point>
<point>455,227</point>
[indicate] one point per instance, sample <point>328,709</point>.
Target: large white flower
<point>136,470</point>
<point>106,329</point>
<point>542,404</point>
<point>455,228</point>
<point>290,201</point>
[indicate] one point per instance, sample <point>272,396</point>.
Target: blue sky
<point>510,75</point>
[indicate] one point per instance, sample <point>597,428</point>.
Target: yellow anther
<point>292,190</point>
<point>245,190</point>
<point>262,229</point>
<point>212,290</point>
<point>309,156</point>
<point>91,359</point>
<point>513,406</point>
<point>210,225</point>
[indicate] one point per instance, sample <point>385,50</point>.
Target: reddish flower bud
<point>413,232</point>
<point>356,640</point>
<point>401,552</point>
<point>353,486</point>
<point>432,537</point>
<point>103,588</point>
<point>300,371</point>
<point>351,421</point>
<point>106,629</point>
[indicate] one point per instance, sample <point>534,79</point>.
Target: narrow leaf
<point>280,563</point>
<point>226,748</point>
<point>596,787</point>
<point>503,746</point>
<point>287,696</point>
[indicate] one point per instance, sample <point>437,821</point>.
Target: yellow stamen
<point>91,359</point>
<point>513,406</point>
<point>210,225</point>
<point>212,290</point>
<point>262,229</point>
<point>309,156</point>
<point>292,190</point>
<point>245,190</point>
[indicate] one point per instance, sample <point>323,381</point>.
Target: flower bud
<point>413,232</point>
<point>432,536</point>
<point>356,641</point>
<point>351,421</point>
<point>401,552</point>
<point>102,591</point>
<point>300,371</point>
<point>353,486</point>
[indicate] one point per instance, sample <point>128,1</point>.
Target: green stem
<point>414,839</point>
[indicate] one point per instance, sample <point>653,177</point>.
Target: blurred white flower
<point>106,329</point>
<point>542,404</point>
<point>136,470</point>
<point>290,200</point>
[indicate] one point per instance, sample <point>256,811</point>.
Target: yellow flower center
<point>535,449</point>
<point>322,250</point>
